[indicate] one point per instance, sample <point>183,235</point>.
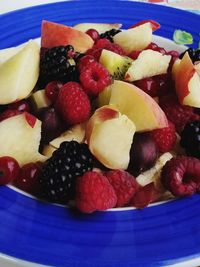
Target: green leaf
<point>182,37</point>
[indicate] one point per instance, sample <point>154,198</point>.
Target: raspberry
<point>181,176</point>
<point>84,61</point>
<point>94,193</point>
<point>101,44</point>
<point>177,113</point>
<point>94,78</point>
<point>73,103</point>
<point>165,138</point>
<point>144,196</point>
<point>60,172</point>
<point>124,185</point>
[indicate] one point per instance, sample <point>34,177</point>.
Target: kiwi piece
<point>116,65</point>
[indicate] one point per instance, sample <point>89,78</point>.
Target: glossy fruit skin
<point>8,113</point>
<point>52,125</point>
<point>28,178</point>
<point>143,153</point>
<point>52,90</point>
<point>93,34</point>
<point>9,170</point>
<point>20,106</point>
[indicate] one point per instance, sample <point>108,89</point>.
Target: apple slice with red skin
<point>154,24</point>
<point>187,83</point>
<point>54,34</point>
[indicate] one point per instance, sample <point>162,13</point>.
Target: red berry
<point>124,184</point>
<point>148,85</point>
<point>84,61</point>
<point>177,113</point>
<point>94,78</point>
<point>9,170</point>
<point>144,196</point>
<point>93,34</point>
<point>134,54</point>
<point>52,90</point>
<point>102,43</point>
<point>160,50</point>
<point>173,53</point>
<point>115,48</point>
<point>21,105</point>
<point>8,113</point>
<point>152,46</point>
<point>94,193</point>
<point>28,178</point>
<point>165,138</point>
<point>73,103</point>
<point>181,176</point>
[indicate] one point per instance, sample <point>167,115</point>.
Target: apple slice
<point>40,100</point>
<point>54,34</point>
<point>149,63</point>
<point>48,150</point>
<point>20,138</point>
<point>7,53</point>
<point>187,83</point>
<point>136,38</point>
<point>100,27</point>
<point>75,133</point>
<point>19,74</point>
<point>138,106</point>
<point>109,135</point>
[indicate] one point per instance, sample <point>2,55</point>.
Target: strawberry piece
<point>94,193</point>
<point>181,176</point>
<point>124,184</point>
<point>165,138</point>
<point>144,196</point>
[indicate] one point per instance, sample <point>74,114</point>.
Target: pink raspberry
<point>94,78</point>
<point>181,176</point>
<point>124,184</point>
<point>94,193</point>
<point>73,103</point>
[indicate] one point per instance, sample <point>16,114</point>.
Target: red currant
<point>52,90</point>
<point>152,46</point>
<point>93,34</point>
<point>160,50</point>
<point>173,53</point>
<point>20,106</point>
<point>8,113</point>
<point>9,170</point>
<point>134,54</point>
<point>28,178</point>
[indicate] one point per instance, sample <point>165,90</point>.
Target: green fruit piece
<point>116,65</point>
<point>39,100</point>
<point>182,37</point>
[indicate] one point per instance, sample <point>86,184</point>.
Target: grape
<point>143,153</point>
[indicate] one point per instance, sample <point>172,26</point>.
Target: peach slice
<point>149,63</point>
<point>187,82</point>
<point>21,140</point>
<point>109,135</point>
<point>136,38</point>
<point>138,106</point>
<point>54,34</point>
<point>19,74</point>
<point>100,27</point>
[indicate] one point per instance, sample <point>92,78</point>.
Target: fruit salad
<point>97,117</point>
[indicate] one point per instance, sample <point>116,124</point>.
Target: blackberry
<point>194,54</point>
<point>190,139</point>
<point>109,34</point>
<point>59,173</point>
<point>57,64</point>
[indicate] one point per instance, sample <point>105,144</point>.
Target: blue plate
<point>52,235</point>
